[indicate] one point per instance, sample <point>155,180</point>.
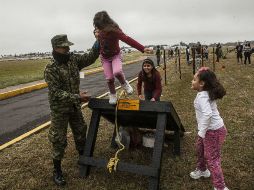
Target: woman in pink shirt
<point>109,36</point>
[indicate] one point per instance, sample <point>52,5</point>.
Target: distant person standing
<point>206,52</point>
<point>170,53</point>
<point>158,55</point>
<point>62,77</point>
<point>187,52</point>
<point>239,52</point>
<point>198,54</point>
<point>247,52</point>
<point>218,52</point>
<point>176,52</point>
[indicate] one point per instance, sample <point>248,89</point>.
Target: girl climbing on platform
<point>109,35</point>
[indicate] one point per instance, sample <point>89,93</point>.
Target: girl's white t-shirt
<point>207,114</point>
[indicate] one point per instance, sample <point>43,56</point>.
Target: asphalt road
<point>22,113</point>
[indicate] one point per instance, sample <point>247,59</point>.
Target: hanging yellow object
<point>112,164</point>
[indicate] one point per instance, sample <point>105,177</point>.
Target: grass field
<point>20,72</point>
<point>27,164</point>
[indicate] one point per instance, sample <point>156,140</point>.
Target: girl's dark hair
<point>211,83</point>
<point>103,22</point>
<point>144,75</point>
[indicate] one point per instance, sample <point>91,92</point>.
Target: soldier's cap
<point>61,40</point>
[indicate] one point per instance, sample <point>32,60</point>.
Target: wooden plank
<point>157,150</point>
<point>176,118</point>
<point>146,106</point>
<point>90,141</point>
<point>122,166</point>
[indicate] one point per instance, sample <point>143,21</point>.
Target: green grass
<point>27,164</point>
<point>20,72</point>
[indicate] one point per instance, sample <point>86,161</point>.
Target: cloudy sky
<point>28,25</point>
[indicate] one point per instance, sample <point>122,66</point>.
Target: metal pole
<point>179,63</point>
<point>213,61</point>
<point>193,60</point>
<point>165,70</point>
<point>202,57</point>
<point>176,61</point>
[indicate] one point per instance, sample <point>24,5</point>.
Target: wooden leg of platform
<point>90,142</point>
<point>157,150</point>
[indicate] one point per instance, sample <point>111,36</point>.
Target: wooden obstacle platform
<point>133,113</point>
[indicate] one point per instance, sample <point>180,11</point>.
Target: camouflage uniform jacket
<point>63,81</point>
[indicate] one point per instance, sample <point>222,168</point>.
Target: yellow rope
<point>112,164</point>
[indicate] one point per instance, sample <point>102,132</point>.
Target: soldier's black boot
<point>81,152</point>
<point>58,177</point>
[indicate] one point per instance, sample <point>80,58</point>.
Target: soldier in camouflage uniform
<point>198,55</point>
<point>62,77</point>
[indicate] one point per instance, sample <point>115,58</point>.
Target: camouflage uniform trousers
<point>58,131</point>
<point>198,61</point>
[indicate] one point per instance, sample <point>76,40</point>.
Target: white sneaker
<point>112,98</point>
<point>197,174</point>
<point>127,87</point>
<point>225,188</point>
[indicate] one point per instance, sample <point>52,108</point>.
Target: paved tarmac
<point>22,113</point>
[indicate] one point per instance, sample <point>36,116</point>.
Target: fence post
<point>193,60</point>
<point>165,67</point>
<point>179,63</point>
<point>202,57</point>
<point>213,61</point>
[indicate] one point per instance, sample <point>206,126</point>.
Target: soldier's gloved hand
<point>84,96</point>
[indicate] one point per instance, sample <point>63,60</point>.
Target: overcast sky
<point>28,25</point>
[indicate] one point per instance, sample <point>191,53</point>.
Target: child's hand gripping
<point>84,96</point>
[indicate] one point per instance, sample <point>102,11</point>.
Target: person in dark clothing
<point>158,55</point>
<point>206,52</point>
<point>187,51</point>
<point>170,53</point>
<point>218,52</point>
<point>198,48</point>
<point>239,52</point>
<point>247,52</point>
<point>176,52</point>
<point>152,82</point>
